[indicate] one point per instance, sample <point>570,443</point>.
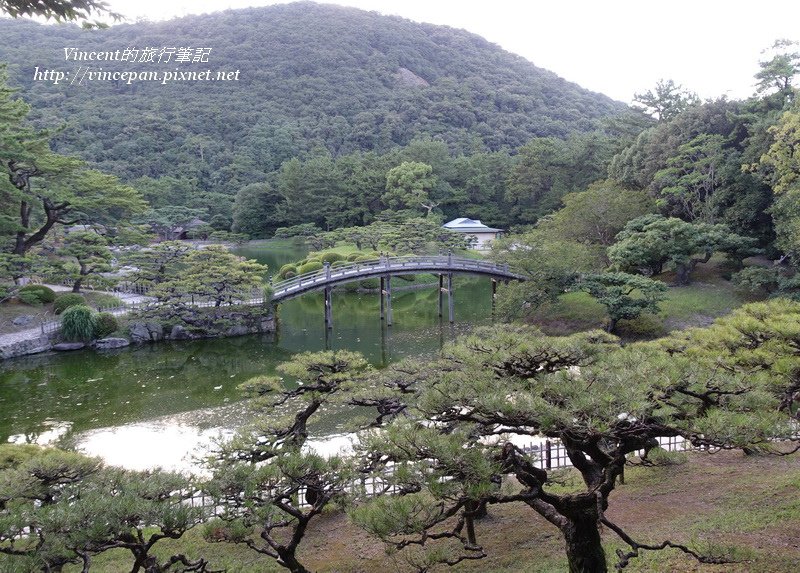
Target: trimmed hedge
<point>36,294</point>
<point>309,267</point>
<point>366,258</point>
<point>105,324</point>
<point>65,300</point>
<point>331,257</point>
<point>353,256</point>
<point>30,298</point>
<point>287,271</point>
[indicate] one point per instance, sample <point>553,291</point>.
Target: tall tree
<point>688,186</point>
<point>665,101</point>
<point>649,242</point>
<point>538,180</point>
<point>596,215</point>
<point>408,186</point>
<point>42,190</point>
<point>782,164</point>
<point>550,264</point>
<point>91,254</point>
<point>779,72</point>
<point>257,210</point>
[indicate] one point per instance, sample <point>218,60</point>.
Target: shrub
<point>309,267</point>
<point>366,258</point>
<point>107,301</point>
<point>219,236</point>
<point>36,294</point>
<point>757,281</point>
<point>331,257</point>
<point>66,300</point>
<point>645,326</point>
<point>287,271</point>
<point>29,297</point>
<point>105,324</point>
<point>353,256</point>
<point>338,264</point>
<point>78,323</point>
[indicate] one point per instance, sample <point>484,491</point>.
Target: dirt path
<point>10,338</point>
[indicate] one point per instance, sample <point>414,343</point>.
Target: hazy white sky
<point>617,47</point>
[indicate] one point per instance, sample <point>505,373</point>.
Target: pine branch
<point>624,558</point>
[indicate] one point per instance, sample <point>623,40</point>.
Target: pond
<point>150,405</point>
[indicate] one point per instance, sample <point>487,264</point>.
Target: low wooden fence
<point>549,455</point>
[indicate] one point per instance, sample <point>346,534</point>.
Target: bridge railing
<point>389,264</point>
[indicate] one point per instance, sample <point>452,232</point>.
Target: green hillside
<point>310,77</point>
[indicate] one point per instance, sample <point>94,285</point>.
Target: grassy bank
<point>709,296</point>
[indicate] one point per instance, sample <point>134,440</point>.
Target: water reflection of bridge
<point>385,268</point>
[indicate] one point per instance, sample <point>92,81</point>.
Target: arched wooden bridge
<point>385,268</point>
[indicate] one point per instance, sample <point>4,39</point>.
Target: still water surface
<point>153,404</point>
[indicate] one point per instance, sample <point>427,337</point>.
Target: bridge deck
<point>387,266</point>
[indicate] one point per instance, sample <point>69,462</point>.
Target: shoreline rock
<point>36,345</point>
<point>68,346</point>
<point>225,326</point>
<point>109,343</point>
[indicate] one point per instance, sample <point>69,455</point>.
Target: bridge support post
<point>382,291</point>
<point>450,301</point>
<point>389,300</point>
<point>328,308</point>
<point>441,288</point>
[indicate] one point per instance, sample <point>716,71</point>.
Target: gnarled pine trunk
<point>584,547</point>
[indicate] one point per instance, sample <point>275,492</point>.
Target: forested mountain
<point>313,81</point>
